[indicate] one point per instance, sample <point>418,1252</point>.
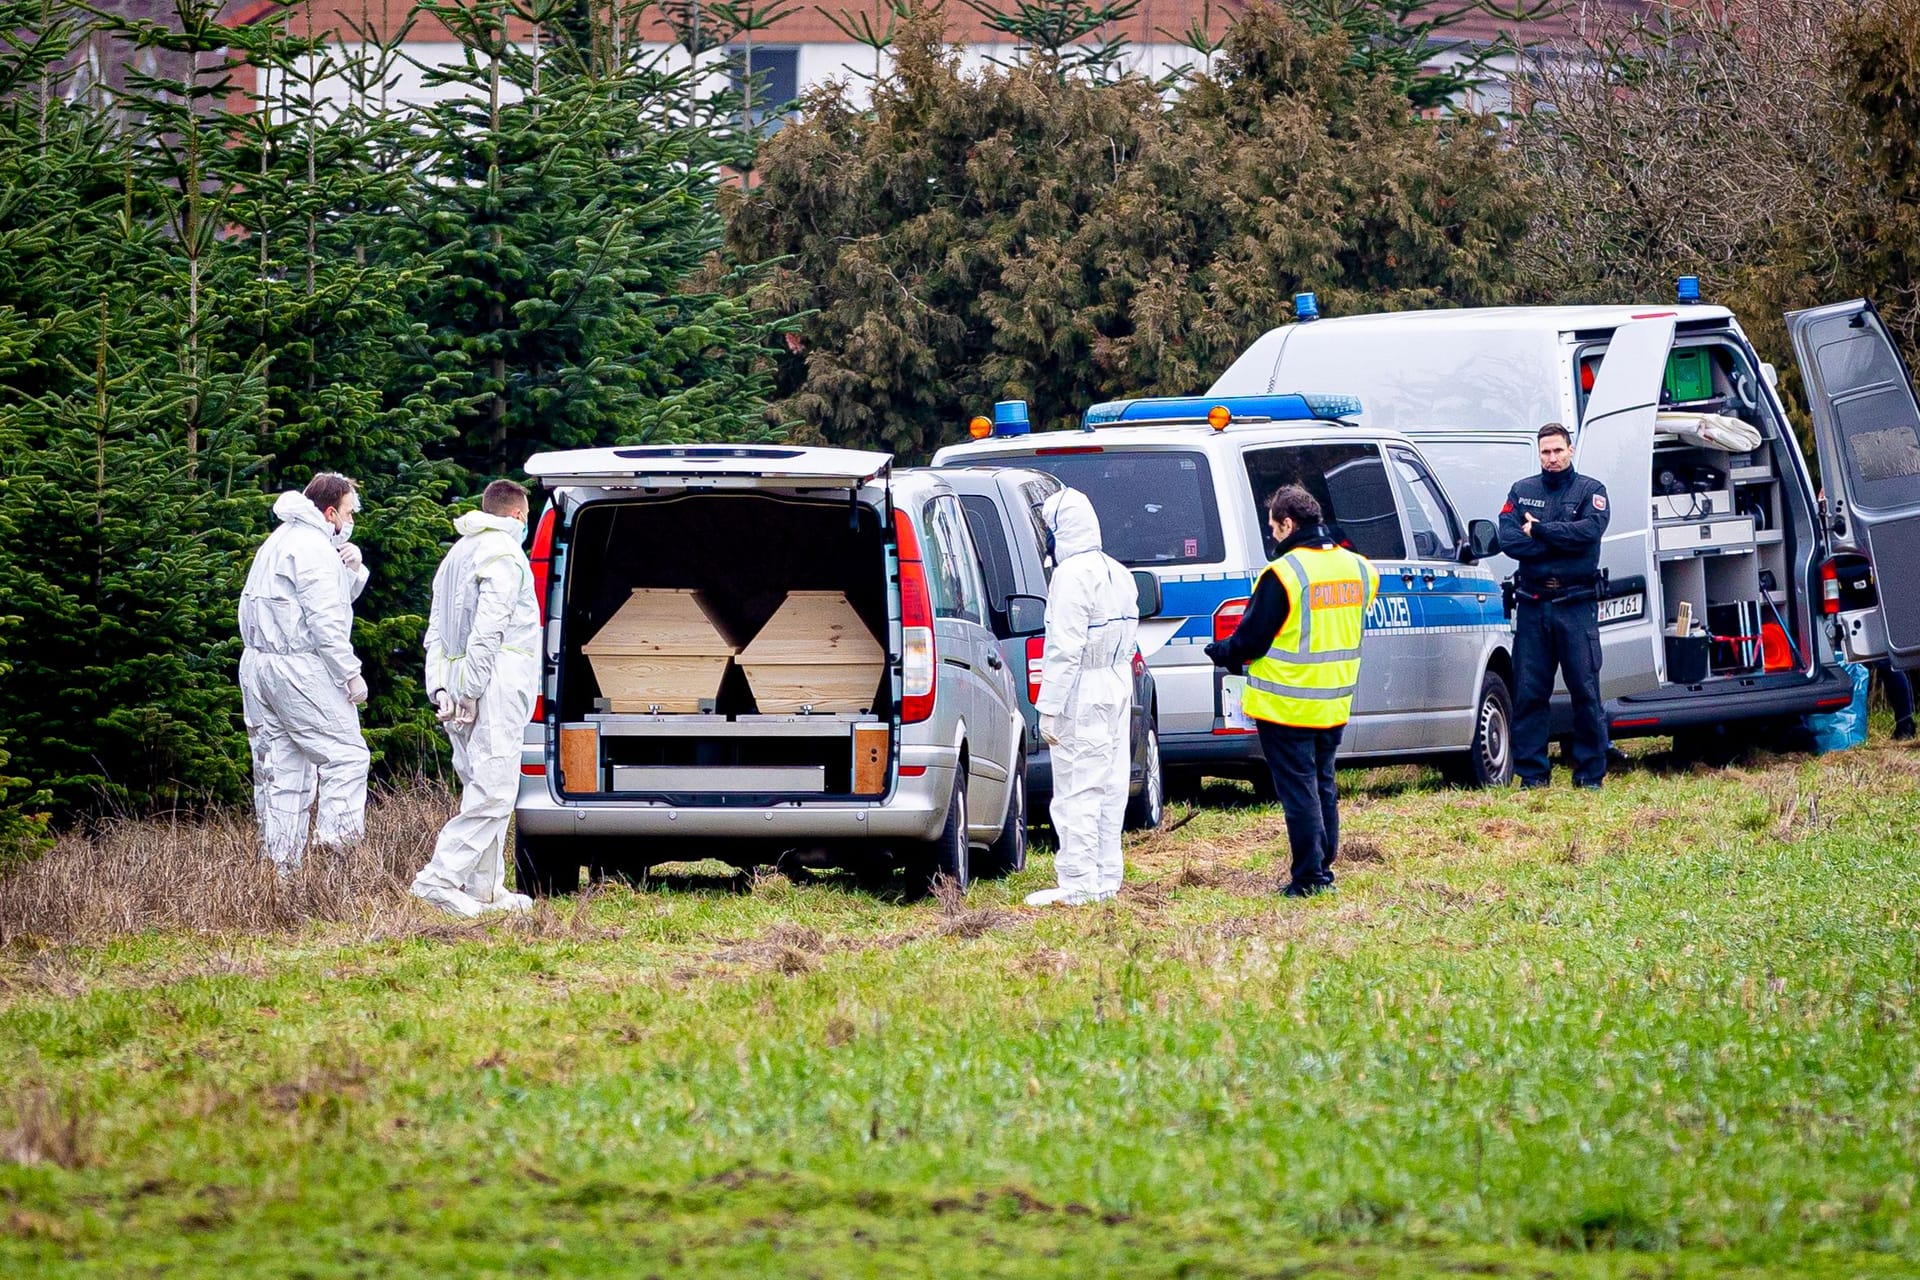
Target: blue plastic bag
<point>1847,727</point>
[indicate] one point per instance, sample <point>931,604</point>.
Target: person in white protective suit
<point>483,672</point>
<point>300,683</point>
<point>1086,699</point>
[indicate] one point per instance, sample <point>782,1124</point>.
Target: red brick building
<point>807,47</point>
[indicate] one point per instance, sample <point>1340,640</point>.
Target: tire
<point>946,855</point>
<point>1008,854</point>
<point>1489,762</point>
<point>541,872</point>
<point>1145,810</point>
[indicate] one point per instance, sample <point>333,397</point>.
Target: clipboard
<point>1231,711</point>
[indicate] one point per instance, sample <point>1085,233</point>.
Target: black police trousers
<point>1562,635</point>
<point>1302,765</point>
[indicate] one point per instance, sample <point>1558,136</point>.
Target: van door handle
<point>993,660</point>
<point>1426,576</point>
<point>1406,576</point>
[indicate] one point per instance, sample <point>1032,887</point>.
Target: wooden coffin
<point>814,654</point>
<point>661,651</point>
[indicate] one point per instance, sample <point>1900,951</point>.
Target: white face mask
<point>344,534</point>
<point>517,530</point>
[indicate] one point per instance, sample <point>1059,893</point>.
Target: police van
<point>1180,486</point>
<point>1714,512</point>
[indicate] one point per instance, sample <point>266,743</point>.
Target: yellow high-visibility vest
<point>1307,679</point>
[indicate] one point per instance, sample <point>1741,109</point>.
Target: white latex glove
<point>1051,729</point>
<point>466,711</point>
<point>443,705</point>
<point>350,556</point>
<point>357,690</point>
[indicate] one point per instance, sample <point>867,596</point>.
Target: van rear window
<point>1156,507</point>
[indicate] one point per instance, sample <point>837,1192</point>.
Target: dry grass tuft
<point>1238,881</point>
<point>1361,851</point>
<point>45,1130</point>
<point>976,923</point>
<point>208,875</point>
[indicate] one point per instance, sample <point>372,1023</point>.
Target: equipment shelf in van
<point>824,725</point>
<point>1703,536</point>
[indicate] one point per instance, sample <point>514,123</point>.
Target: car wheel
<point>1008,854</point>
<point>1489,762</point>
<point>1145,810</point>
<point>539,871</point>
<point>946,855</point>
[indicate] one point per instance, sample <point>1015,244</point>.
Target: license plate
<point>1235,716</point>
<point>1623,608</point>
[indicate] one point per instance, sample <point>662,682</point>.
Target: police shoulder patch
<point>1599,502</point>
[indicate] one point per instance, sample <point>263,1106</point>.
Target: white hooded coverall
<point>296,620</point>
<point>483,645</point>
<point>1093,620</point>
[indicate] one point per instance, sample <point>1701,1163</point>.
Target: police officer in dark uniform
<point>1552,526</point>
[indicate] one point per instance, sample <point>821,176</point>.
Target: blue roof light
<point>1687,288</point>
<point>1306,307</point>
<point>1273,408</point>
<point>1010,418</point>
<point>1331,407</point>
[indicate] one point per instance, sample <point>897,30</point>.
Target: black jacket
<point>1266,612</point>
<point>1571,514</point>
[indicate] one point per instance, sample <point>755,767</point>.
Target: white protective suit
<point>296,620</point>
<point>483,648</point>
<point>1086,697</point>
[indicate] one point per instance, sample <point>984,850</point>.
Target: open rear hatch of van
<point>726,630</point>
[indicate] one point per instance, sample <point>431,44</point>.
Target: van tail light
<point>1036,664</point>
<point>1829,587</point>
<point>918,657</point>
<point>541,559</point>
<point>1139,664</point>
<point>539,708</point>
<point>1227,617</point>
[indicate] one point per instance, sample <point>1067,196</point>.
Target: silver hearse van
<point>915,772</point>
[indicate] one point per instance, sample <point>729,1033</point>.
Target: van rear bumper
<point>1182,749</point>
<point>1661,713</point>
<point>917,810</point>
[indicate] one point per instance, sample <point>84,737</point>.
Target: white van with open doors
<point>764,654</point>
<point>1738,534</point>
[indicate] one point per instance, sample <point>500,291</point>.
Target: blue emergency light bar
<point>1309,407</point>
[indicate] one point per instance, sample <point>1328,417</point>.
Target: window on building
<point>770,83</point>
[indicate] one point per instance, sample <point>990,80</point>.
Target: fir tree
<point>1025,234</point>
<point>133,437</point>
<point>569,204</point>
<point>351,382</point>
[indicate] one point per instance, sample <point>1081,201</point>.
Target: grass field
<point>1663,1031</point>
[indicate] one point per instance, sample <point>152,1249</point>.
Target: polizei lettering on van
<point>1389,611</point>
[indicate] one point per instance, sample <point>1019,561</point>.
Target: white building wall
<point>820,63</point>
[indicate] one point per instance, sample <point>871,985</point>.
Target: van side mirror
<point>1146,590</point>
<point>1483,540</point>
<point>1026,616</point>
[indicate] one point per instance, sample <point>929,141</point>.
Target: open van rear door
<point>1866,427</point>
<point>719,466</point>
<point>1616,448</point>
